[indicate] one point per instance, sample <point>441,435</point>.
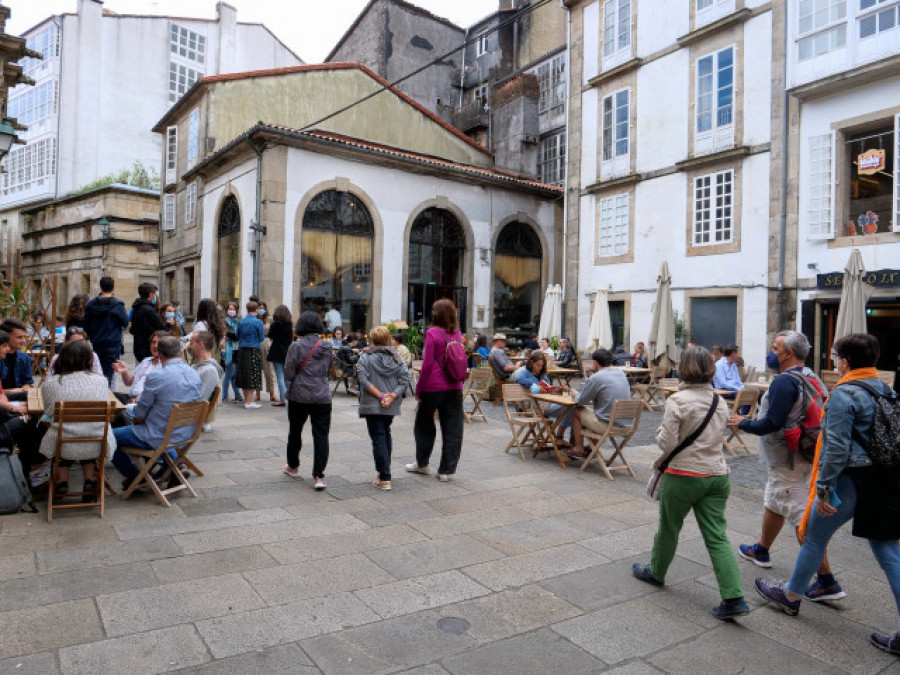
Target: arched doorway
<point>437,251</point>
<point>336,258</point>
<point>228,259</point>
<point>517,280</point>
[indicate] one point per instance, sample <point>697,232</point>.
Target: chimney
<point>226,16</point>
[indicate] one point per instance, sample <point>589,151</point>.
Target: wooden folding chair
<point>618,437</point>
<point>477,359</point>
<point>829,378</point>
<point>524,423</point>
<point>183,415</point>
<point>476,389</point>
<point>646,392</point>
<point>213,402</point>
<point>749,374</point>
<point>663,384</point>
<point>65,414</point>
<point>745,397</point>
<point>345,372</point>
<point>588,367</point>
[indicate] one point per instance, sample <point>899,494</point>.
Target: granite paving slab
<point>425,592</point>
<point>431,556</point>
<point>532,535</point>
<point>104,555</point>
<point>202,523</point>
<point>17,566</point>
<point>281,660</point>
<point>535,566</point>
<point>329,545</point>
<point>37,629</point>
<point>214,563</point>
<point>43,663</point>
<point>464,523</point>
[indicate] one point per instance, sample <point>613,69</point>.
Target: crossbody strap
<point>308,356</point>
<point>694,436</point>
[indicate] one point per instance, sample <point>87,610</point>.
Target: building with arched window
<point>375,213</point>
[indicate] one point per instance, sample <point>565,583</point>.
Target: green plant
<point>554,343</point>
<point>138,176</point>
<point>414,340</point>
<point>13,301</point>
<point>682,334</point>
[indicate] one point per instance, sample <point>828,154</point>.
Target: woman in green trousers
<point>695,479</point>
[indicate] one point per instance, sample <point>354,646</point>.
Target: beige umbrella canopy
<point>551,315</point>
<point>855,294</point>
<point>662,350</point>
<point>600,331</point>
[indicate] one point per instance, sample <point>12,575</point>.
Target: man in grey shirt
<point>601,389</point>
<point>500,363</point>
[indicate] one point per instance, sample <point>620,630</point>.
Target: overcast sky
<point>309,27</point>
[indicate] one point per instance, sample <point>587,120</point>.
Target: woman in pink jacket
<point>435,390</point>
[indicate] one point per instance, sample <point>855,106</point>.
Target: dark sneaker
<point>819,593</point>
<point>90,488</point>
<point>642,572</point>
<point>888,643</point>
<point>755,554</point>
<point>774,592</point>
<point>728,609</point>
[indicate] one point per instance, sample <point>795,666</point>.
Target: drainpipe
<point>782,226</point>
<point>462,73</point>
<point>565,238</point>
<point>258,230</point>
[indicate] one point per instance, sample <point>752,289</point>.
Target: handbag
<point>656,476</point>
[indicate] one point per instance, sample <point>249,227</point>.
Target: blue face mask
<point>170,315</point>
<point>772,362</point>
<point>260,312</point>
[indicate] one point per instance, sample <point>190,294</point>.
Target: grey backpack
<point>14,491</point>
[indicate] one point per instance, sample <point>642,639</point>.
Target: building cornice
<point>733,19</point>
<point>621,181</point>
<point>847,79</point>
<point>626,67</point>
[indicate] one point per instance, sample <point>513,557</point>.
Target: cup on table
<point>761,379</point>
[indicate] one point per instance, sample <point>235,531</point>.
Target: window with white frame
<point>615,118</point>
<point>616,26</point>
<point>821,27</point>
<point>168,212</point>
<point>713,208</point>
<point>552,83</point>
<point>877,16</point>
<point>820,199</point>
<point>715,101</point>
<point>33,104</point>
<point>710,10</point>
<point>193,137</point>
<point>187,44</point>
<point>47,43</point>
<point>553,159</point>
<point>190,202</point>
<point>171,153</point>
<point>481,94</point>
<point>612,239</point>
<point>28,165</point>
<point>181,78</point>
<point>481,45</point>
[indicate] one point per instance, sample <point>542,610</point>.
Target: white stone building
<point>843,70</point>
<point>104,80</point>
<point>669,153</point>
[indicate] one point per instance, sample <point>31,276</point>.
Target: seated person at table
<point>500,363</point>
<point>75,334</point>
<point>531,343</point>
<point>337,337</point>
<point>136,379</point>
<point>402,350</point>
<point>200,348</point>
<point>74,380</point>
<point>16,428</point>
<point>545,347</point>
<point>481,347</point>
<point>621,357</point>
<point>36,331</point>
<point>727,376</point>
<point>601,389</point>
<point>16,369</point>
<point>639,358</point>
<point>567,355</point>
<point>530,377</point>
<point>174,382</point>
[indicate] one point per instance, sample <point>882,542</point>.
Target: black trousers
<point>449,406</point>
<point>320,419</point>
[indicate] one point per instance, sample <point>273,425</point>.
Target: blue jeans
<point>380,433</point>
<point>230,380</point>
<point>819,531</point>
<point>121,460</point>
<point>106,354</point>
<point>279,376</point>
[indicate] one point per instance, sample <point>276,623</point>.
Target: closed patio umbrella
<point>855,294</point>
<point>600,330</point>
<point>551,314</point>
<point>662,349</point>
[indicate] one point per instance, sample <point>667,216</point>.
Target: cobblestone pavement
<point>513,567</point>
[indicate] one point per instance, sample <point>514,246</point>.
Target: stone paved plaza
<point>514,567</point>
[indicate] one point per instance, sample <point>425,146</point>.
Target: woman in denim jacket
<point>848,485</point>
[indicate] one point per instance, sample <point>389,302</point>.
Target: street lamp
<point>104,227</point>
<point>7,136</point>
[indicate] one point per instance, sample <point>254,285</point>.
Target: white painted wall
<point>664,113</point>
<point>591,35</point>
<point>659,23</point>
<point>758,79</point>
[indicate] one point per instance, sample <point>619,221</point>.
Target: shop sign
<point>877,278</point>
<point>871,161</point>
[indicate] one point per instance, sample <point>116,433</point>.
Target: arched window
<point>517,280</point>
<point>228,259</point>
<point>336,260</point>
<point>437,249</point>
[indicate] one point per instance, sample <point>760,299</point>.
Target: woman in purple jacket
<point>436,391</point>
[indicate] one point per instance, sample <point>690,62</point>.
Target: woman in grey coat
<point>383,377</point>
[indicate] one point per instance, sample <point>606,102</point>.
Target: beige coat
<point>684,413</point>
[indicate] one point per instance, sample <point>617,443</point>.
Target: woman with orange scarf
<point>845,484</point>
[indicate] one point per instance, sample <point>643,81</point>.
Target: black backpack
<point>884,439</point>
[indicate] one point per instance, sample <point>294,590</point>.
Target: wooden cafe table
<point>562,374</point>
<point>36,402</point>
<point>547,439</point>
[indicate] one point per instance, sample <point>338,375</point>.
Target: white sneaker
<point>415,468</point>
<point>443,477</point>
<point>320,484</point>
<point>250,406</point>
<point>207,427</point>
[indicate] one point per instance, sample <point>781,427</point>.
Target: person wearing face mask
<point>269,377</point>
<point>145,319</point>
<point>787,476</point>
<point>167,314</point>
<point>230,352</point>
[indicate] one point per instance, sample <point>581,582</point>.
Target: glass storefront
<point>228,262</point>
<point>336,258</point>
<point>871,157</point>
<point>437,248</point>
<point>517,281</point>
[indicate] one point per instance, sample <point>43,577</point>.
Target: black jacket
<point>144,322</point>
<point>281,333</point>
<point>104,321</point>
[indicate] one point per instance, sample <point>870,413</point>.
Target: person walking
<point>249,372</point>
<point>695,478</point>
<point>383,377</point>
<point>435,390</point>
<point>144,320</point>
<point>280,336</point>
<point>268,371</point>
<point>846,484</point>
<point>309,397</point>
<point>230,353</point>
<point>104,322</point>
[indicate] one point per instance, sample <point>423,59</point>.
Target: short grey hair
<point>169,347</point>
<point>796,342</point>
